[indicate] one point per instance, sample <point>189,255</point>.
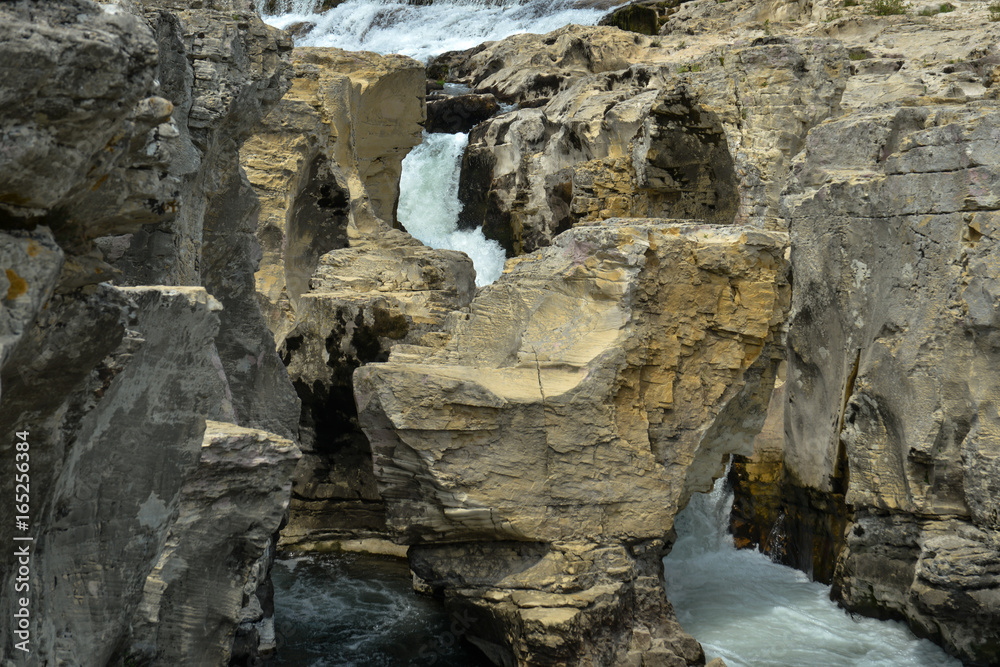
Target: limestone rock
<point>229,511</point>
<point>327,162</point>
<point>362,301</point>
<point>127,115</point>
<point>635,17</point>
<point>339,285</point>
<point>529,69</point>
<point>30,263</point>
<point>757,520</point>
<point>647,133</point>
<point>569,417</point>
<point>459,113</point>
<point>150,394</point>
<point>73,76</point>
<point>221,71</point>
<point>892,334</point>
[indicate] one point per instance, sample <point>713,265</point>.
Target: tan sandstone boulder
<point>570,416</point>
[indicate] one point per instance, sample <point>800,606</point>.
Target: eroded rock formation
<point>894,346</point>
<point>537,460</point>
<point>621,127</point>
<point>121,126</point>
<point>870,447</point>
<point>340,285</point>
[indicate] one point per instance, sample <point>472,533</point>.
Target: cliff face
<point>167,220</point>
<point>894,346</point>
<point>879,482</point>
<point>340,285</point>
<point>537,460</point>
<point>121,129</point>
<point>864,137</point>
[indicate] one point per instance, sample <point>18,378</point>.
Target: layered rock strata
<point>221,71</point>
<point>326,164</point>
<point>893,350</point>
<point>365,299</point>
<point>243,481</point>
<point>620,127</point>
<point>121,128</point>
<point>340,286</point>
<point>536,461</point>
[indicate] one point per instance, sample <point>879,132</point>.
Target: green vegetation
<point>994,11</point>
<point>859,55</point>
<point>851,3</point>
<point>722,61</point>
<point>947,7</point>
<point>885,7</point>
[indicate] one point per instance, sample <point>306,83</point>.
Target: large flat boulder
<point>574,410</point>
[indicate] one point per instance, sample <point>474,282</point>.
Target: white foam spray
<point>429,206</point>
<point>751,612</point>
<point>425,30</point>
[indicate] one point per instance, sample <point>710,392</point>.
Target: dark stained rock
<point>459,113</point>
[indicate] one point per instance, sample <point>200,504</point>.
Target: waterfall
<point>425,30</point>
<point>752,612</point>
<point>429,206</point>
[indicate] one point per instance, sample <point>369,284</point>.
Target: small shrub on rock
<point>886,7</point>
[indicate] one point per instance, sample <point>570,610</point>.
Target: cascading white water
<point>428,197</point>
<point>739,604</point>
<point>429,206</point>
<point>425,30</point>
<point>752,612</point>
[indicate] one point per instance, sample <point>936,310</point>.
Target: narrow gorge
<point>522,333</point>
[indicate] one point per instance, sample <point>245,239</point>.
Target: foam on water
<point>358,611</point>
<point>426,30</point>
<point>750,611</point>
<point>429,206</point>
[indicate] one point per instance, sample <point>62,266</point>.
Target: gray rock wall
<point>894,347</point>
<point>121,126</point>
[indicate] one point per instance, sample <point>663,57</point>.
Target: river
<point>351,610</point>
<point>752,612</point>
